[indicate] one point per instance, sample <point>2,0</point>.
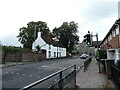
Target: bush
<point>13,49</point>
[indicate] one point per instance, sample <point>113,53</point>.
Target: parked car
<point>84,56</point>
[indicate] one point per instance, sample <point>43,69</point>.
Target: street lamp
<point>97,51</point>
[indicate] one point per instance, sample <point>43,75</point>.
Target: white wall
<point>39,41</point>
<point>63,52</point>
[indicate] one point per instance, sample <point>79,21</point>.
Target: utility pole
<point>34,42</point>
<point>98,53</point>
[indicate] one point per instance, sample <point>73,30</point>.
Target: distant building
<point>112,39</point>
<point>94,44</point>
<point>53,48</point>
<point>83,49</point>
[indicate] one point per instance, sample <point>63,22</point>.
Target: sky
<point>96,16</point>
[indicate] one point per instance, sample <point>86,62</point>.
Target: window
<point>117,30</point>
<point>49,53</point>
<point>106,41</point>
<point>113,33</point>
<point>49,47</point>
<point>54,54</point>
<point>59,49</point>
<point>110,37</point>
<point>60,54</point>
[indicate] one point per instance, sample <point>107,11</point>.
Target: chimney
<point>39,34</point>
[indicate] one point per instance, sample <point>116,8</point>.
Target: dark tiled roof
<point>57,43</point>
<point>110,31</point>
<point>48,39</point>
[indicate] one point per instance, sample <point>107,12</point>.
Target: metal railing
<point>115,76</point>
<point>66,81</point>
<point>86,63</point>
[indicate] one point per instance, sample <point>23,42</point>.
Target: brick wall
<point>9,57</point>
<point>27,56</point>
<point>114,43</point>
<point>18,57</point>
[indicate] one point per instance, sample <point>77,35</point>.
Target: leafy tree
<point>27,35</point>
<point>66,34</point>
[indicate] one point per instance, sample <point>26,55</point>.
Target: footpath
<point>91,78</point>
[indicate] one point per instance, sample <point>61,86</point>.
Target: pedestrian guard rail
<point>86,63</point>
<point>64,81</point>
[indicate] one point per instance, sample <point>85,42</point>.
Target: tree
<point>66,34</point>
<point>38,48</point>
<point>27,35</point>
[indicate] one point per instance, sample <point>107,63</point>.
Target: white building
<point>53,48</point>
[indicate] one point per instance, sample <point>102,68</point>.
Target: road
<point>19,76</point>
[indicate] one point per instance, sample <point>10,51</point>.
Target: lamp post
<point>97,51</point>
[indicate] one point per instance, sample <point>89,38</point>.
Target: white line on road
<point>30,75</point>
<point>53,64</point>
<point>6,72</point>
<point>55,79</point>
<point>11,72</point>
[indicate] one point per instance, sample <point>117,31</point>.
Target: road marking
<point>51,67</point>
<point>38,76</point>
<point>30,75</point>
<point>55,79</point>
<point>17,73</point>
<point>11,72</point>
<point>6,72</point>
<point>23,74</point>
<point>53,64</point>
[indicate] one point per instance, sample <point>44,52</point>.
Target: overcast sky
<point>97,16</point>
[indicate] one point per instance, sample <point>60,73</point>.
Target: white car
<point>84,56</point>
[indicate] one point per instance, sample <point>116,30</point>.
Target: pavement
<point>91,78</point>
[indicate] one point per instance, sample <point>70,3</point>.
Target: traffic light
<point>88,39</point>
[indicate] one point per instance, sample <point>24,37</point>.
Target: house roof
<point>48,39</point>
<point>110,31</point>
